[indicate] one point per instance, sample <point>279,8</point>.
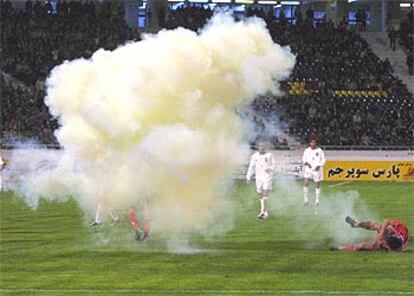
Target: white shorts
<point>316,176</point>
<point>263,185</point>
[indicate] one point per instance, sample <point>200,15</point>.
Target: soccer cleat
<point>261,215</point>
<point>352,222</point>
<point>94,224</point>
<point>138,234</point>
<point>145,238</point>
<point>306,203</point>
<point>317,203</point>
<point>332,248</point>
<point>265,215</point>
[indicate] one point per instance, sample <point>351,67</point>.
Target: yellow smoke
<point>155,120</point>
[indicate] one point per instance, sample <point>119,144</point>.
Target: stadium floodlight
<point>350,1</point>
<point>278,6</point>
<point>244,1</point>
<point>267,2</point>
<point>290,2</point>
<point>175,1</point>
<point>198,1</point>
<point>405,4</point>
<point>221,1</point>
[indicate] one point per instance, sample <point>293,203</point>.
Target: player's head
<point>395,242</point>
<point>261,147</point>
<point>313,141</point>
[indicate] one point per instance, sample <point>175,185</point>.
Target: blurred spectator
<point>392,36</point>
<point>410,63</point>
<point>36,39</point>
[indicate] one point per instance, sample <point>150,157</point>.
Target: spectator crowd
<point>329,58</point>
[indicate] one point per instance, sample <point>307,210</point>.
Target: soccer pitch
<point>53,251</point>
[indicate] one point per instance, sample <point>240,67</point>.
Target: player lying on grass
<point>313,161</point>
<point>262,166</point>
<point>392,236</point>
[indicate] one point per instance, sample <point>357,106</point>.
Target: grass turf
<point>52,251</point>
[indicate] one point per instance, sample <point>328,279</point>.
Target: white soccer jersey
<point>314,157</point>
<point>259,163</point>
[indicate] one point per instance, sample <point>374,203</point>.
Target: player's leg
<point>133,218</point>
<point>146,224</point>
<point>356,247</point>
<point>317,192</point>
<point>114,216</point>
<point>98,216</point>
<point>259,190</point>
<point>0,178</point>
<point>305,191</point>
<point>263,203</point>
<point>369,225</point>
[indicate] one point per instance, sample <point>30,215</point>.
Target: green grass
<point>52,251</point>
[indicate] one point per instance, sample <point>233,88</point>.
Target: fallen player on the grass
<point>392,236</point>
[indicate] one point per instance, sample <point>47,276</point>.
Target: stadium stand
<point>339,88</point>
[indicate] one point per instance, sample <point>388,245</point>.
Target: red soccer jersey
<point>400,229</point>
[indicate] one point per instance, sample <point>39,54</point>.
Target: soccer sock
<point>98,214</point>
<point>264,198</point>
<point>305,193</point>
<point>133,219</point>
<point>348,248</point>
<point>146,223</point>
<point>318,194</point>
<point>114,215</point>
<point>262,205</point>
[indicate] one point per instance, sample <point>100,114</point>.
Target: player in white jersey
<point>100,210</point>
<point>262,166</point>
<point>313,161</point>
<point>1,168</point>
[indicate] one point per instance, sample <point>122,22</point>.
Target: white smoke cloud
<point>155,120</point>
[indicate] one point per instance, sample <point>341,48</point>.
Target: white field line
<point>340,184</point>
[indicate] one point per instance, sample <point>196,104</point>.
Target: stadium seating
<point>339,88</point>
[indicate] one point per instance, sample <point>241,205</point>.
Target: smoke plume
<point>154,122</point>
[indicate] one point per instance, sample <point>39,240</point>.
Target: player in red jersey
<point>392,236</point>
<point>133,218</point>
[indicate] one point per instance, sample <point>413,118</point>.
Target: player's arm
<point>272,165</point>
<point>384,227</point>
<point>322,161</point>
<point>250,170</point>
<point>305,160</point>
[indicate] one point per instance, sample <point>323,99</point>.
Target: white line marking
<point>340,184</point>
<point>273,292</point>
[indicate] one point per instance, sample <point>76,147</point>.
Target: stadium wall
<point>355,165</point>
